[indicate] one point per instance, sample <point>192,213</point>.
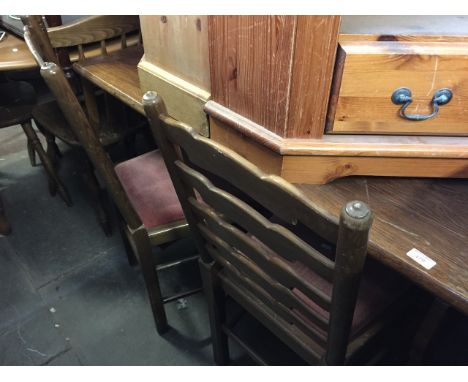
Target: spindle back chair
<point>112,120</point>
<point>91,36</point>
<point>307,298</point>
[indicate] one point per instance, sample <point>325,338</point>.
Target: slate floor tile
<point>50,237</point>
<point>18,298</point>
<point>103,309</point>
<point>68,358</point>
<point>33,341</point>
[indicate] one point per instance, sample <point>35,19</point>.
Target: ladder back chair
<point>142,191</point>
<point>113,121</point>
<point>312,301</point>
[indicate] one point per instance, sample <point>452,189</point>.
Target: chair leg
<point>5,228</point>
<point>150,275</point>
<point>53,150</point>
<point>48,165</point>
<point>216,311</point>
<point>31,154</point>
<point>100,199</point>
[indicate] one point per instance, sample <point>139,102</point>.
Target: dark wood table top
<point>117,74</point>
<point>15,54</point>
<point>430,215</point>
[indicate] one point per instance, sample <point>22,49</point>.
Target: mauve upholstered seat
<point>150,190</point>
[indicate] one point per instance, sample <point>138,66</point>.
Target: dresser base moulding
<point>184,101</point>
<point>325,160</point>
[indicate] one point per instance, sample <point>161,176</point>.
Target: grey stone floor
<point>69,297</point>
<point>67,293</point>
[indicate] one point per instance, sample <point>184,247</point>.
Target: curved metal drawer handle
<point>402,96</point>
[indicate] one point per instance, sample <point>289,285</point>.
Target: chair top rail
<point>271,191</point>
<point>285,243</point>
<point>92,29</point>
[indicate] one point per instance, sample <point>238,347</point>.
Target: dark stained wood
<point>14,54</point>
<point>429,215</point>
<point>250,63</point>
<point>50,116</point>
<point>137,236</point>
<point>246,224</point>
<point>92,29</point>
<point>312,70</point>
<point>62,53</point>
<point>88,138</point>
<point>117,74</point>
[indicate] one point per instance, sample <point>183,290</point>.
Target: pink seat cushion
<point>148,185</point>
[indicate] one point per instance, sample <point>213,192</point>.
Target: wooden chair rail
<point>286,312</point>
<point>257,254</point>
<point>273,192</point>
<point>273,235</point>
<point>304,346</point>
<point>93,29</point>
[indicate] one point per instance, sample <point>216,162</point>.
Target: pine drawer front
<point>368,72</point>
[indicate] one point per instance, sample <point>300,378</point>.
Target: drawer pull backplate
<point>402,96</point>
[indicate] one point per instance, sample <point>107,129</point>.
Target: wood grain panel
<point>117,74</point>
<point>342,145</point>
<point>373,70</point>
<point>91,29</point>
<point>344,37</point>
<point>267,160</point>
<point>178,45</point>
<point>324,169</point>
<point>312,72</point>
<point>423,214</point>
<point>250,63</point>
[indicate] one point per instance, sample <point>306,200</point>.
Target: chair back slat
<point>248,222</point>
<point>286,244</point>
<point>314,331</point>
<point>278,292</point>
<point>260,255</point>
<point>271,191</point>
<point>306,347</point>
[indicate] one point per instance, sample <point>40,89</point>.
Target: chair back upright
<point>36,36</point>
<point>81,127</point>
<point>259,257</point>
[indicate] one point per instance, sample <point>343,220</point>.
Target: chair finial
<point>150,97</point>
